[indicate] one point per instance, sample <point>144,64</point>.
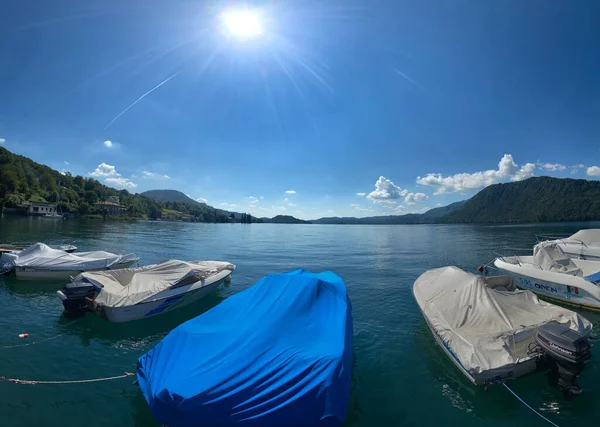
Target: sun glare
<point>243,23</point>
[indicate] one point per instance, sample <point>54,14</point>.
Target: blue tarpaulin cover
<point>277,354</point>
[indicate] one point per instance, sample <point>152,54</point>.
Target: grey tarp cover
<point>589,237</point>
<point>130,286</point>
<point>44,257</point>
<point>550,257</point>
<point>480,324</point>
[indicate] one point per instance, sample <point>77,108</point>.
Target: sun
<point>242,23</point>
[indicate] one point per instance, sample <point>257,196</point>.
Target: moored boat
<point>134,293</point>
<point>62,245</point>
<point>493,332</point>
<point>41,262</point>
<point>553,275</point>
<point>585,244</point>
<point>276,354</point>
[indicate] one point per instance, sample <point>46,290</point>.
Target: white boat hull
<point>28,273</point>
<point>166,301</point>
<point>560,287</point>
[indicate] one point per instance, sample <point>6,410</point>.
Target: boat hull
<point>159,306</point>
<point>568,292</point>
<point>483,378</point>
<point>28,273</point>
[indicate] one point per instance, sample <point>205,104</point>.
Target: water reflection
<point>139,334</point>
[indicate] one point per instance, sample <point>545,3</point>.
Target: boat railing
<point>563,238</point>
<point>500,253</point>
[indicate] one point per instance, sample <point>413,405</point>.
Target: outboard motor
<point>564,352</point>
<point>75,297</point>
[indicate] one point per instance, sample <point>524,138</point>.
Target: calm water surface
<point>400,378</point>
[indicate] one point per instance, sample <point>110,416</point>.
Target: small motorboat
<point>40,261</point>
<point>61,245</point>
<point>585,244</point>
<point>493,332</point>
<point>276,354</point>
<point>53,215</point>
<point>552,274</point>
<point>135,293</point>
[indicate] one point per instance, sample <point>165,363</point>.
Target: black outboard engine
<point>564,352</point>
<point>75,297</point>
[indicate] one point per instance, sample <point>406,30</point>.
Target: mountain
<point>537,199</point>
<point>284,219</point>
<point>444,210</point>
<point>425,218</point>
<point>170,196</point>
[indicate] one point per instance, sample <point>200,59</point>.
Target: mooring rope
<point>94,380</point>
<point>40,341</point>
<point>525,403</point>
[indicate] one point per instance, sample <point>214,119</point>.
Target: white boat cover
<point>130,286</point>
<point>588,237</point>
<point>41,256</point>
<point>483,326</point>
<point>550,257</point>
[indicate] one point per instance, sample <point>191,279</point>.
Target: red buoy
<point>23,335</point>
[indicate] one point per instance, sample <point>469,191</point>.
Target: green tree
<point>91,197</point>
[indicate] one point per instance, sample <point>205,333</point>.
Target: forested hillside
<point>22,180</point>
<point>538,199</point>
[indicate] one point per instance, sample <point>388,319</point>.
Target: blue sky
<point>343,107</point>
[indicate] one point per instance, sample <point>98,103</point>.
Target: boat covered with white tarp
<point>134,293</point>
<point>585,244</point>
<point>40,261</point>
<point>492,331</point>
<point>553,274</point>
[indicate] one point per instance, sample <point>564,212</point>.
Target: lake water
<point>401,377</point>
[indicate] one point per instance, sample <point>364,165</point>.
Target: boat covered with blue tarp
<point>277,354</point>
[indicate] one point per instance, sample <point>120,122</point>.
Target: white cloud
<point>552,167</point>
<point>386,192</point>
<point>290,192</point>
<point>593,171</point>
<point>279,208</point>
<point>507,170</point>
<point>227,205</point>
<point>253,200</point>
<point>121,182</point>
<point>2,140</point>
<point>154,176</point>
<point>358,207</point>
<point>399,208</point>
<point>104,170</point>
<point>286,199</point>
<point>414,198</point>
<point>262,197</point>
<point>108,144</point>
<point>292,204</point>
<point>438,204</point>
<point>111,176</point>
<point>66,163</point>
<point>575,168</point>
<point>361,194</point>
<point>201,200</point>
